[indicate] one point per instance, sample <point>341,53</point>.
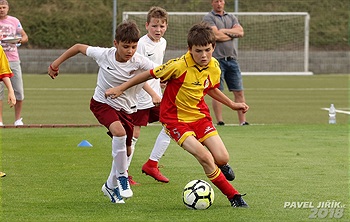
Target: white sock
<point>119,164</point>
<point>112,179</point>
<point>160,146</point>
<point>133,143</point>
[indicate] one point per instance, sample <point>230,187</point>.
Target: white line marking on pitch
<point>338,111</point>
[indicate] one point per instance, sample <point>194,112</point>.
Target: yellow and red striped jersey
<point>5,70</point>
<point>187,84</point>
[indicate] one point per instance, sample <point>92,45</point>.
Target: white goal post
<point>274,43</point>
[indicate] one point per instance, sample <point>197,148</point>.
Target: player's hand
<point>52,72</point>
<point>11,100</point>
<point>113,92</point>
<point>156,100</point>
<point>241,106</point>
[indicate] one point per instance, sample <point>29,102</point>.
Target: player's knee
<point>117,132</point>
<point>222,158</point>
<point>205,158</point>
<point>117,129</point>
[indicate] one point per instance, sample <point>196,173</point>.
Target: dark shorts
<point>201,129</point>
<point>144,116</point>
<point>231,74</point>
<point>106,115</point>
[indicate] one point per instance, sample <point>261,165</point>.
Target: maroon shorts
<point>106,115</point>
<point>144,116</point>
<point>201,129</point>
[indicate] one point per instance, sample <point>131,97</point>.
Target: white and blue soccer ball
<point>198,195</point>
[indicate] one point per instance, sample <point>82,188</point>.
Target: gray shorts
<point>231,74</point>
<point>16,81</point>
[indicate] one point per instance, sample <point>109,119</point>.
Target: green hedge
<point>61,23</point>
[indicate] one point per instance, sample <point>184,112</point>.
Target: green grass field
<point>289,154</point>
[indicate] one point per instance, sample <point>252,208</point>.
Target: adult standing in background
<point>11,26</point>
<point>226,27</point>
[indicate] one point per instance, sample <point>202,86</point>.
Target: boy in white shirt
<point>151,45</point>
<point>116,65</point>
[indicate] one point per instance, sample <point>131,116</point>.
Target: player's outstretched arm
<point>53,68</point>
<point>222,98</point>
<point>137,79</point>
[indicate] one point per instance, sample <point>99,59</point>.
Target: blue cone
<point>84,143</point>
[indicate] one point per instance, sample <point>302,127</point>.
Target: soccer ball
<point>198,195</point>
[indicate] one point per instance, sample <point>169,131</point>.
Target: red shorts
<point>144,116</point>
<point>106,115</point>
<point>201,129</point>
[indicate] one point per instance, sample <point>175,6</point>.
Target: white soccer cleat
<point>18,122</point>
<point>112,194</point>
<point>124,187</point>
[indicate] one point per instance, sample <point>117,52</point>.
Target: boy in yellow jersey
<point>183,111</point>
<point>5,74</point>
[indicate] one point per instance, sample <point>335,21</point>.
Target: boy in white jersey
<point>116,65</point>
<point>151,45</point>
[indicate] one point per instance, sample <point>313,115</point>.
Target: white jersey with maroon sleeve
<point>112,73</point>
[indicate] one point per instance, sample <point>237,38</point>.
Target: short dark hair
<point>201,34</point>
<point>159,13</point>
<point>127,31</point>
